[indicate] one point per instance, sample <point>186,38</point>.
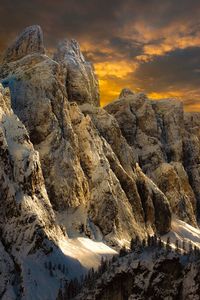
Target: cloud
<point>178,69</point>
<point>144,44</point>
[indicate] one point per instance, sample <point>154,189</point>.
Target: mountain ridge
<point>72,169</point>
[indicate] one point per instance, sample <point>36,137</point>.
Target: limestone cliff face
<point>153,129</point>
<point>35,83</point>
<point>164,147</point>
<point>172,179</point>
<point>107,174</point>
<point>88,166</point>
<point>145,205</point>
<point>30,41</point>
<point>80,80</point>
<point>109,207</point>
<point>192,152</point>
<point>27,224</point>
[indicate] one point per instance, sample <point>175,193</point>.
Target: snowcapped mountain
<point>79,181</point>
<point>149,271</point>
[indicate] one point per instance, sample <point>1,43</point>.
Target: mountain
<point>166,143</point>
<point>149,271</point>
<point>78,180</point>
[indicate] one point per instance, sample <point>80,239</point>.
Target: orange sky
<point>151,46</point>
<point>114,76</point>
<point>166,66</point>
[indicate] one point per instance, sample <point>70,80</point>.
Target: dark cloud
<point>59,18</point>
<point>124,46</point>
<point>97,56</point>
<point>91,19</point>
<point>178,69</point>
<point>121,49</point>
<point>166,32</point>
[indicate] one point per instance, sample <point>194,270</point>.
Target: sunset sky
<point>147,45</point>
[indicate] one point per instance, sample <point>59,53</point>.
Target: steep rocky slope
<point>83,166</point>
<point>166,147</point>
<point>29,42</point>
<point>29,233</point>
<point>81,82</point>
<point>72,169</point>
<point>166,268</point>
<point>152,274</point>
<point>192,152</point>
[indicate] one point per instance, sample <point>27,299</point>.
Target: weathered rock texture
<point>168,276</point>
<point>27,224</point>
<point>66,161</point>
<point>166,147</point>
<point>30,41</point>
<point>84,166</point>
<point>80,80</point>
<point>122,159</point>
<point>192,152</point>
<point>35,83</point>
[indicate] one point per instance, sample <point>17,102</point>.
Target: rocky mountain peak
<point>28,42</point>
<point>70,168</point>
<point>69,48</point>
<point>81,82</point>
<point>125,93</point>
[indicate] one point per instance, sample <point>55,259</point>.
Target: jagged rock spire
<point>28,42</point>
<point>69,48</point>
<point>81,82</point>
<point>125,92</point>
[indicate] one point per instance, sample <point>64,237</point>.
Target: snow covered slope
<point>70,175</point>
<point>182,231</point>
<point>87,251</point>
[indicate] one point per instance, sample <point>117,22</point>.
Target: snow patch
<point>87,251</point>
<point>182,231</point>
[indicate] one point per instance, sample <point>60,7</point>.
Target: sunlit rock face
<point>80,80</point>
<point>27,224</point>
<point>144,196</point>
<point>39,100</point>
<point>192,152</point>
<point>87,172</point>
<point>153,129</point>
<point>109,206</point>
<point>166,147</point>
<point>172,179</point>
<point>125,93</point>
<point>108,174</point>
<point>30,41</point>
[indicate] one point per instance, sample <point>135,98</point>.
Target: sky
<point>150,46</point>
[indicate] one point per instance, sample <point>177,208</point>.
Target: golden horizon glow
<point>147,46</point>
<point>116,72</point>
<point>116,69</point>
<point>112,79</point>
<point>113,75</point>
